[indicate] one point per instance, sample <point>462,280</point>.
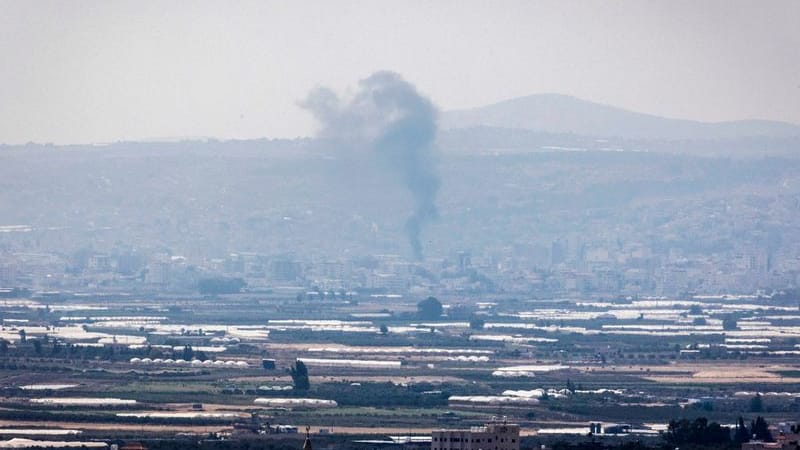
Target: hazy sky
<point>74,71</point>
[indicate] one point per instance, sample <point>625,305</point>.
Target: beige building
<point>492,436</point>
<point>784,441</point>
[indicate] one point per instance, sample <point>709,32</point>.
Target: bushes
<point>373,394</point>
<point>698,432</point>
<point>221,285</point>
<point>381,394</point>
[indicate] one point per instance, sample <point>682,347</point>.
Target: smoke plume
<point>387,119</point>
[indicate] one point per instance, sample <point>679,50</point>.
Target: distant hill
<point>554,113</point>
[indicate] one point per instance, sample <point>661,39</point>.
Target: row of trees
<point>220,286</point>
<point>54,348</point>
<point>347,394</point>
<point>758,430</point>
<point>702,432</point>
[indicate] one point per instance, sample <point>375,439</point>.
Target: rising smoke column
<point>388,119</point>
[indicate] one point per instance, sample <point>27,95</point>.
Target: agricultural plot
<point>136,367</point>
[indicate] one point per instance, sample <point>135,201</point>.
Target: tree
<point>476,323</point>
<point>756,404</point>
<point>37,346</point>
<point>760,430</point>
<point>299,373</point>
<point>23,336</point>
<point>430,308</point>
<point>742,434</point>
<point>729,323</point>
<point>188,353</point>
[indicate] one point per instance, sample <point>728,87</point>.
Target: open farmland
<point>125,367</point>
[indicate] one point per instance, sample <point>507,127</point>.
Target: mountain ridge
<point>558,113</point>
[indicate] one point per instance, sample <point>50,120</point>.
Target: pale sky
<point>99,71</point>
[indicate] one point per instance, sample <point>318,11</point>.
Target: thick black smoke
<point>388,119</point>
